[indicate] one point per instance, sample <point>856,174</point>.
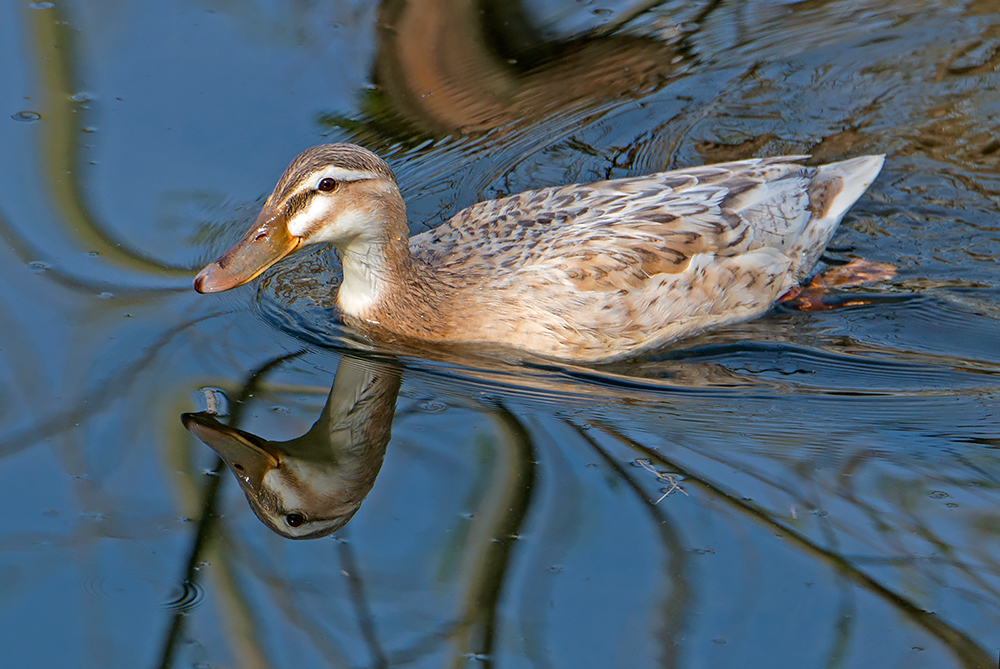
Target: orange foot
<point>816,296</point>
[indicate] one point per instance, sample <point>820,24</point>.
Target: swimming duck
<point>587,272</point>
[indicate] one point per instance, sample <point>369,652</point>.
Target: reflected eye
<point>295,519</point>
<point>327,185</point>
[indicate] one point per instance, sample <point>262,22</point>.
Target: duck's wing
<point>613,235</point>
<point>605,270</point>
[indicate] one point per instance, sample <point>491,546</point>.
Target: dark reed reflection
<point>310,486</point>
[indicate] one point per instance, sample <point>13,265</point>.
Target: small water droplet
<point>280,409</point>
<point>81,97</point>
<point>719,640</point>
<point>642,463</point>
<point>38,266</point>
<point>106,296</point>
<point>430,406</point>
<point>371,86</point>
<point>602,11</point>
<point>90,128</point>
<point>467,516</point>
<point>938,494</point>
<point>951,505</point>
<point>209,472</point>
<point>93,254</point>
<point>42,5</point>
<point>213,401</point>
<point>482,657</point>
<point>26,116</point>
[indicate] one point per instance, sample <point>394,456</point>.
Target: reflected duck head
<point>339,193</point>
<point>295,497</point>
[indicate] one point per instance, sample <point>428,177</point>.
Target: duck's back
<point>606,269</point>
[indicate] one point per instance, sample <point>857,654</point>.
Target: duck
<point>311,486</point>
<point>583,273</point>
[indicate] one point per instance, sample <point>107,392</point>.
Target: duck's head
<point>339,193</point>
<point>295,497</point>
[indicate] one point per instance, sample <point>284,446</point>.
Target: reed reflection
<point>310,486</point>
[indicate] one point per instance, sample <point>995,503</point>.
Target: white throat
<point>364,272</point>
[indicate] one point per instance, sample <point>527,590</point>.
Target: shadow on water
<point>809,489</point>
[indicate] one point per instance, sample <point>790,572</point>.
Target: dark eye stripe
<point>297,203</point>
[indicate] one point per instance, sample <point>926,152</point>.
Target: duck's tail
<point>834,189</point>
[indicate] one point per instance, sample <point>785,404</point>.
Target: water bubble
<point>938,494</point>
<point>280,409</point>
<point>430,406</point>
<point>602,11</point>
<point>212,400</point>
<point>106,296</point>
<point>92,254</point>
<point>26,116</point>
<point>38,265</point>
<point>81,97</point>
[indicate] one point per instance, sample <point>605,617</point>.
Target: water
<point>807,490</point>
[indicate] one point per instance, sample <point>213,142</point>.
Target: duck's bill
<point>247,455</point>
<point>267,242</point>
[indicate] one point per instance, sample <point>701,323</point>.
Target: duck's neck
<point>384,285</point>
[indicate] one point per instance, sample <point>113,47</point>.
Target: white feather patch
<point>307,220</point>
<point>360,289</point>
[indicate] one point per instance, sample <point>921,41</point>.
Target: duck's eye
<point>326,185</point>
<point>295,519</point>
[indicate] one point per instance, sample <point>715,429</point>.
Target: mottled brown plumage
<point>593,272</point>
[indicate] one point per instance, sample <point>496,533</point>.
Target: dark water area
<point>810,489</point>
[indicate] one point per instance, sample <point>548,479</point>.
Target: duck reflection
<point>310,486</point>
<point>459,67</point>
